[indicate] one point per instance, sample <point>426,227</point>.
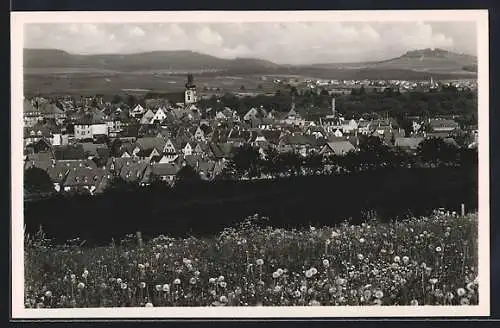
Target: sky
<point>283,43</point>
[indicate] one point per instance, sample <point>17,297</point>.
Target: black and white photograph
<point>250,164</point>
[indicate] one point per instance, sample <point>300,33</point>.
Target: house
<point>31,115</point>
<point>131,171</point>
<point>338,148</point>
<point>147,117</point>
<point>59,170</point>
<point>159,116</point>
<point>51,111</point>
<point>442,125</point>
<point>187,149</point>
<point>148,144</point>
<point>364,127</point>
<point>297,143</point>
<point>316,131</point>
<point>165,172</point>
<point>35,133</point>
<point>41,160</point>
<point>408,144</point>
<point>137,112</point>
<point>88,128</point>
<point>85,179</point>
<point>115,127</point>
<point>199,134</point>
<point>293,118</point>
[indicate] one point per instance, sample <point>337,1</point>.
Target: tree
<point>246,161</point>
<point>187,176</point>
<point>114,147</point>
<point>37,181</point>
<point>259,86</point>
<point>436,151</point>
<point>242,87</point>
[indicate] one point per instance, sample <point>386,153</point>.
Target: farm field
<point>427,260</point>
<point>110,83</point>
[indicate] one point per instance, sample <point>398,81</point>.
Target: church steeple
<point>190,92</point>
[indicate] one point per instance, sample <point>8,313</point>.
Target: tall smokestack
<point>333,106</point>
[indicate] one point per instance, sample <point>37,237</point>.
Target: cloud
<point>291,42</point>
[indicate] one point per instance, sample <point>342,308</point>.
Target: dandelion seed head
<point>259,262</point>
<point>379,294</point>
<point>461,292</point>
<point>81,285</point>
<point>326,263</point>
<point>142,285</point>
<point>149,304</point>
<point>414,302</point>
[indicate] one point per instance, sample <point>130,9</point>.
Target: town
<point>85,144</point>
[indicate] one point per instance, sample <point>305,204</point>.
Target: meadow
<point>417,261</point>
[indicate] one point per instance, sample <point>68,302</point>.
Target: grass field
<point>431,260</point>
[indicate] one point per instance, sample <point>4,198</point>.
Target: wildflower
<point>260,262</point>
<point>296,293</point>
<point>223,299</point>
<point>332,290</point>
<point>186,261</point>
<point>166,288</point>
<point>423,265</point>
<point>450,296</point>
<point>157,255</point>
<point>276,275</point>
<point>377,302</point>
<point>177,281</point>
<point>379,294</point>
<point>414,302</point>
<point>223,284</point>
<point>158,288</point>
<point>326,263</point>
<point>48,294</point>
<point>85,273</point>
<point>367,294</point>
<point>361,240</point>
<point>461,292</point>
<point>73,277</point>
<point>142,285</point>
<point>360,257</point>
<point>303,289</point>
<point>314,270</point>
<point>81,285</point>
<point>277,288</point>
<point>375,272</point>
<point>433,281</point>
<point>438,249</point>
<point>141,266</point>
<point>314,303</point>
<point>309,273</point>
<point>118,280</point>
<point>470,287</point>
<point>280,271</point>
<point>192,281</point>
<point>397,259</point>
<point>197,273</point>
<point>335,234</point>
<point>221,278</point>
<point>124,286</point>
<point>406,259</point>
<point>149,304</point>
<point>211,280</point>
<point>464,301</point>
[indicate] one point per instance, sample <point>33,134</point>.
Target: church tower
<point>190,92</point>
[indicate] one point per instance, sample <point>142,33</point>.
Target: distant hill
<point>413,65</point>
<point>424,60</point>
<point>155,60</point>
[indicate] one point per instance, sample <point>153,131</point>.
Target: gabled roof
<point>150,142</point>
<point>133,170</point>
<point>164,169</point>
<point>272,136</point>
<point>339,147</point>
<point>83,176</point>
<point>443,123</point>
<point>92,148</point>
<point>411,143</point>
